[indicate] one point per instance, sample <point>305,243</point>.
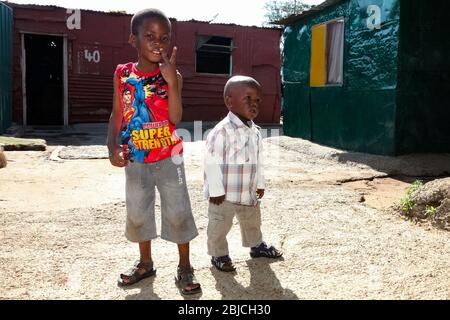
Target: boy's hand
<point>116,158</point>
<point>168,67</point>
<point>260,193</point>
<point>217,200</point>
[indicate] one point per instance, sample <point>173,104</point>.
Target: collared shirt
<point>233,161</point>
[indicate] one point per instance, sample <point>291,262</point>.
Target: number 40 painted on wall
<point>92,56</point>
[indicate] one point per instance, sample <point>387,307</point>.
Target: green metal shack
<point>369,75</point>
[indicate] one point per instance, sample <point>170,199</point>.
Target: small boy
<point>147,106</point>
<point>234,178</point>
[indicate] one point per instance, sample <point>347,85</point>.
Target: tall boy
<point>234,178</point>
<point>150,150</point>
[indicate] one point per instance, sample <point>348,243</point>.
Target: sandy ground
<point>62,223</point>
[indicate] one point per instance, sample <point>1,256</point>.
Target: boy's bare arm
<point>260,184</point>
<point>115,122</point>
<point>213,160</point>
<point>175,82</point>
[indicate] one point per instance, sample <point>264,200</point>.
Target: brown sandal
<point>186,281</point>
<point>133,275</point>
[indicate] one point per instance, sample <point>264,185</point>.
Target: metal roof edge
<point>116,13</point>
<point>5,4</point>
<point>230,24</point>
<point>55,7</point>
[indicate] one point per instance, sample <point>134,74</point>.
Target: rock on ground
<point>20,144</point>
<point>435,194</point>
<point>3,161</point>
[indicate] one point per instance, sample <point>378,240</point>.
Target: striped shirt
<point>233,161</point>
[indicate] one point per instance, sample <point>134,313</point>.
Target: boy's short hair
<point>240,81</point>
<point>142,15</point>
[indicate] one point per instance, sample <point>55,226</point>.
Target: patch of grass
<point>407,203</point>
<point>431,211</point>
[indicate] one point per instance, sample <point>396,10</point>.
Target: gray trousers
<point>221,221</point>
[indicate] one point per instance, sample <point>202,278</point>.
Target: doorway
<point>44,79</point>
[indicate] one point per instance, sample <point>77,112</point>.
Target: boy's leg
<point>145,263</point>
<point>140,226</point>
<point>220,221</point>
<point>185,272</point>
<point>145,250</point>
<point>177,220</point>
<point>250,224</point>
<point>140,203</point>
<point>183,251</point>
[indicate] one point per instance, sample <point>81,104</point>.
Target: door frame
<point>65,75</point>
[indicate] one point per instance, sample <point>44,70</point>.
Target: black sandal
<point>185,279</point>
<point>133,276</point>
<point>263,250</point>
<point>224,263</point>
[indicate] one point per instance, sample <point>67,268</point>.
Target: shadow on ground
<point>264,284</point>
<point>431,165</point>
<point>146,293</point>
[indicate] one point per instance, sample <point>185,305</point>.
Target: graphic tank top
<point>146,130</point>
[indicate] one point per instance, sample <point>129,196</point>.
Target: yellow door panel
<point>318,61</point>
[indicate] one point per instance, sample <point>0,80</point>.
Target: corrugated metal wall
<point>203,96</point>
<point>83,91</point>
<point>6,22</point>
<point>256,52</point>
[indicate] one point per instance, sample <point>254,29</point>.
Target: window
<point>327,54</point>
<point>214,55</point>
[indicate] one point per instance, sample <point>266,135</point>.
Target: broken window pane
<point>213,55</point>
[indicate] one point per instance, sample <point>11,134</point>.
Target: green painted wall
<point>423,115</point>
<point>360,115</point>
<point>5,67</point>
<point>297,111</point>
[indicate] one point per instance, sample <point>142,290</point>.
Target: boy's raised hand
<point>168,67</point>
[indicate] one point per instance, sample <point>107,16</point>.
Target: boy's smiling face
<point>244,100</point>
<point>152,39</point>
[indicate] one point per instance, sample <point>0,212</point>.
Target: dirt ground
<point>62,222</point>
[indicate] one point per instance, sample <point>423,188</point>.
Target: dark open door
<point>44,79</point>
<point>6,20</point>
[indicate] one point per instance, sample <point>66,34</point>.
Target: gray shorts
<point>177,221</point>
